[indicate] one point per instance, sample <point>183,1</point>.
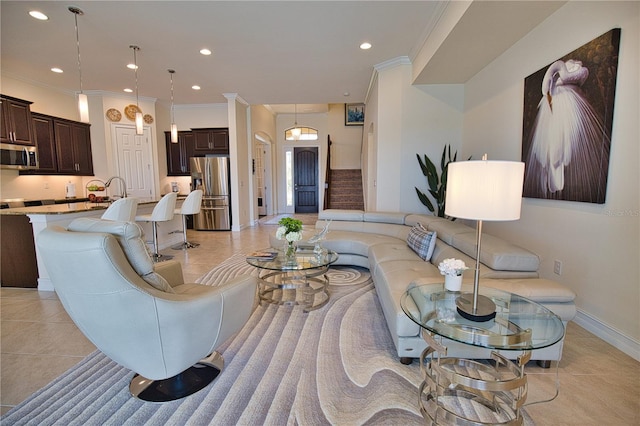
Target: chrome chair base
<point>157,257</point>
<point>190,381</point>
<point>185,245</point>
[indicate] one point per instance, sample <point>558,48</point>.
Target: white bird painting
<point>568,144</point>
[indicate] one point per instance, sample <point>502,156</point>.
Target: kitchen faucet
<point>124,185</point>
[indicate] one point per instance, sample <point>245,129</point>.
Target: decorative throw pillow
<point>129,236</point>
<point>421,241</point>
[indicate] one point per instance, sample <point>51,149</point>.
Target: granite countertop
<point>66,208</point>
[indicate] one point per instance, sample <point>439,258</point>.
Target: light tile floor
<point>599,385</point>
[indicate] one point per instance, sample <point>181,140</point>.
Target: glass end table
<point>300,281</point>
<point>498,385</point>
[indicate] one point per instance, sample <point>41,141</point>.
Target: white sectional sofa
<point>377,241</point>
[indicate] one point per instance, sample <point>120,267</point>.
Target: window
<point>306,134</point>
<point>289,176</point>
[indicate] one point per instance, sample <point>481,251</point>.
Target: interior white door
<point>134,161</point>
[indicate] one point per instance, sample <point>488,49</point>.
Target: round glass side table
<point>499,385</point>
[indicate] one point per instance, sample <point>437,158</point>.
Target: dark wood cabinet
<point>16,125</point>
<point>73,148</point>
<point>194,143</point>
<point>211,141</point>
<point>18,252</point>
<point>64,146</point>
<point>45,141</point>
<point>178,154</point>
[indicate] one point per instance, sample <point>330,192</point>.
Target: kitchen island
<point>17,242</point>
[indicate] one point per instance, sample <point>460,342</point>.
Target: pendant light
<point>83,102</point>
<point>296,131</point>
<point>139,124</point>
<point>174,128</point>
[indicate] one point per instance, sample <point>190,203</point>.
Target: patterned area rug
<point>336,365</point>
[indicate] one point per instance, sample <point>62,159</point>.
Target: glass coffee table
<point>302,281</point>
<point>499,384</point>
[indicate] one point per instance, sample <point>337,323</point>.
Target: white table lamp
<point>483,190</point>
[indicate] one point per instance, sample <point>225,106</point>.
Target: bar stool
<point>191,205</point>
<point>123,210</point>
<point>162,212</point>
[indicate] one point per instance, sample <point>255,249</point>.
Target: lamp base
<point>485,311</point>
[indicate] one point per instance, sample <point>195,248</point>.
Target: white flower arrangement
<point>282,234</point>
<point>289,229</point>
<point>452,267</point>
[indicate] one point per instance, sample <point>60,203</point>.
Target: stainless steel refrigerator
<point>211,174</point>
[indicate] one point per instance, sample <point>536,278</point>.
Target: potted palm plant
<point>437,183</point>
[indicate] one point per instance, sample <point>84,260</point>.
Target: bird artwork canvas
<point>568,115</point>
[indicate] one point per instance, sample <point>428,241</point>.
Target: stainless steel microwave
<point>20,157</point>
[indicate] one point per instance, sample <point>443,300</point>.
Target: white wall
<point>598,244</point>
<point>346,140</point>
<point>240,156</point>
<point>370,149</point>
<point>409,120</point>
<point>201,116</point>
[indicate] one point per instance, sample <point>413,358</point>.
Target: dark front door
<point>305,179</point>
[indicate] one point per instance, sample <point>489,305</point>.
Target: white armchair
<point>146,319</point>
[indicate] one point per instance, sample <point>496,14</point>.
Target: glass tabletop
<point>305,259</point>
<point>520,324</point>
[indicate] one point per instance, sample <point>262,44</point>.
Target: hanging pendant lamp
<point>139,123</point>
<point>83,102</point>
<point>296,131</point>
<point>174,128</point>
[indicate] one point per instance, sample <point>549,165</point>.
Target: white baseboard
<point>609,334</point>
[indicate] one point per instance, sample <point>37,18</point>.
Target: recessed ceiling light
<point>38,15</point>
<point>195,87</point>
<point>205,52</point>
<point>132,66</point>
<point>57,70</point>
<point>346,94</point>
<point>365,46</point>
<point>128,90</point>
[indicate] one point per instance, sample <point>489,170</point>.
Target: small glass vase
<point>290,252</point>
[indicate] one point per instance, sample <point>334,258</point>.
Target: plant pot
<point>453,282</point>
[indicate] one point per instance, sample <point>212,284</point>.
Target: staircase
<point>345,189</point>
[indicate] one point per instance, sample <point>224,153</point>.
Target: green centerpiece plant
<point>437,183</point>
<point>290,230</point>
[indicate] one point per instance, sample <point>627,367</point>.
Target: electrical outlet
<point>46,185</point>
<point>557,267</point>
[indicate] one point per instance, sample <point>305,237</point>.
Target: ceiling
<point>268,52</point>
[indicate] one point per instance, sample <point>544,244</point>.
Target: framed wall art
<point>353,114</point>
<point>568,116</point>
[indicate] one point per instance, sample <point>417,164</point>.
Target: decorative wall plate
<point>147,119</point>
<point>130,111</point>
<point>113,115</point>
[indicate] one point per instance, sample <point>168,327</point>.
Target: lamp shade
<point>83,107</point>
<point>484,190</point>
<point>139,124</point>
<point>174,133</point>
